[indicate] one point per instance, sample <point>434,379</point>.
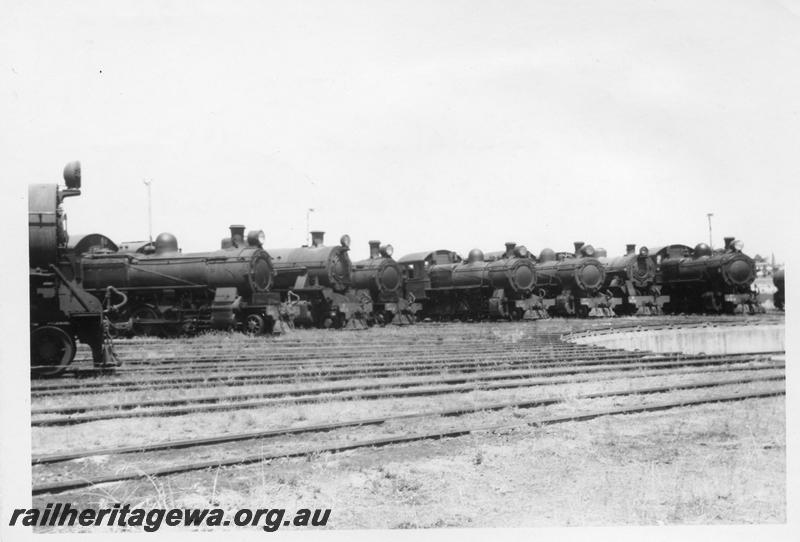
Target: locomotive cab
<point>416,269</point>
<point>61,311</point>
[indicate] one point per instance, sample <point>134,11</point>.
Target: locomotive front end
<point>316,282</point>
<point>630,279</point>
<point>242,257</point>
<point>381,277</point>
<point>515,271</point>
<point>513,277</point>
<point>584,272</point>
<point>641,269</point>
<point>700,279</point>
<point>589,275</point>
<point>738,270</point>
<point>573,282</point>
<point>379,273</point>
<point>322,266</point>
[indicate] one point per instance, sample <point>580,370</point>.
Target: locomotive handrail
<point>190,283</point>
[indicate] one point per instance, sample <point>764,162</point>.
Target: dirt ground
<point>714,464</point>
<point>719,463</point>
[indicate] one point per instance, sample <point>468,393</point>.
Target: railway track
<point>407,388</point>
<point>172,353</point>
<point>304,346</point>
<point>375,360</point>
<point>320,369</point>
<point>244,343</point>
<point>257,360</point>
<point>304,373</point>
<point>455,329</point>
<point>66,484</point>
<point>396,372</point>
<point>182,356</point>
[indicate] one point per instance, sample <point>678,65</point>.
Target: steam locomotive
<point>171,293</point>
<point>381,277</point>
<point>630,281</point>
<point>315,285</point>
<point>571,283</point>
<point>61,311</point>
<point>701,280</point>
<point>447,287</point>
<point>243,286</point>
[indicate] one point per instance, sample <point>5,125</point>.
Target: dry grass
<point>128,431</point>
<point>722,463</point>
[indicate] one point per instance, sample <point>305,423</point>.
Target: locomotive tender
<point>172,293</point>
<point>61,311</point>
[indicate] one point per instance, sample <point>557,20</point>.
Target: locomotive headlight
<point>588,251</point>
<point>256,238</point>
<point>345,241</point>
<point>72,174</point>
<point>644,251</point>
<point>738,245</point>
<point>387,250</point>
<point>521,251</point>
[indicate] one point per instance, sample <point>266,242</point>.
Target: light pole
<point>710,242</point>
<point>308,226</point>
<point>149,209</point>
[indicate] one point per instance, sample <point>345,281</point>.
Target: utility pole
<point>149,209</point>
<point>710,241</point>
<point>308,226</point>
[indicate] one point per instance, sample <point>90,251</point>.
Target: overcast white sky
<point>449,124</point>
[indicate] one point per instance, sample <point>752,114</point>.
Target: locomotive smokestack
<point>237,234</point>
<point>317,238</point>
<point>374,250</point>
<point>728,242</point>
<point>578,246</point>
<point>510,245</point>
<point>630,249</point>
